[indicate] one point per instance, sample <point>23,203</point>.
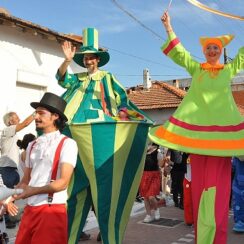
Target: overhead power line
<point>152,75</point>
<point>143,25</point>
<point>141,58</point>
<point>138,21</point>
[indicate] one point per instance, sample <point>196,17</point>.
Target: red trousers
<point>188,215</point>
<point>212,172</point>
<point>43,224</point>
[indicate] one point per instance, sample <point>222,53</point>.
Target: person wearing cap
<point>49,165</point>
<point>106,172</point>
<point>208,125</point>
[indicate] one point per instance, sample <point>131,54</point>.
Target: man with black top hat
<point>49,165</point>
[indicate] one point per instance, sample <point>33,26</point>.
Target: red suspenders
<point>55,166</point>
<point>55,163</point>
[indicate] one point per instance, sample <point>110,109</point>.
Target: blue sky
<point>132,47</point>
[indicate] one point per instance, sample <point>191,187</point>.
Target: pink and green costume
<point>208,125</point>
<point>111,153</point>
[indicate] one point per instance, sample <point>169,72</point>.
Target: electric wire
<point>152,75</point>
<point>156,35</point>
<point>141,58</point>
<point>223,22</point>
<point>142,24</point>
<point>137,20</point>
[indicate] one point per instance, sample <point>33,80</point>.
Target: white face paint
<point>212,54</point>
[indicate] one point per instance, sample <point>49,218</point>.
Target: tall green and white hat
<point>90,45</point>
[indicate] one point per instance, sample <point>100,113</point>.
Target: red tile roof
<point>7,19</point>
<point>160,95</point>
<point>239,99</point>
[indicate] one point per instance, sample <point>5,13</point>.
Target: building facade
<point>29,58</point>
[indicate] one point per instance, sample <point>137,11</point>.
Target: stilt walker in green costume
<point>208,125</point>
<point>111,150</point>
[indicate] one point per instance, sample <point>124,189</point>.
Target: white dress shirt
<point>40,159</point>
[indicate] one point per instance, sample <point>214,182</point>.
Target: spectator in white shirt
<point>10,153</point>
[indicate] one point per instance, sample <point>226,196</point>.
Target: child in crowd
<point>150,184</point>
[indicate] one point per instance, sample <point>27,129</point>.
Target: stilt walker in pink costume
<point>209,126</point>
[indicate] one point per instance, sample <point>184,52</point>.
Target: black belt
<point>8,167</point>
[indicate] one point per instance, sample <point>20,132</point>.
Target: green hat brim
<point>103,55</point>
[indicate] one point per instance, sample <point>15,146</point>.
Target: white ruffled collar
<point>44,143</point>
<point>48,136</point>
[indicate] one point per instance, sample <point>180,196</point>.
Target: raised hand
<point>165,18</point>
<point>69,50</point>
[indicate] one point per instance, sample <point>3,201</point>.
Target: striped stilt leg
<point>112,155</point>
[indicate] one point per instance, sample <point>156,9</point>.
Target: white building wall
<point>28,67</point>
<point>159,116</point>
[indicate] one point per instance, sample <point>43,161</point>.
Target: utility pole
<point>225,56</point>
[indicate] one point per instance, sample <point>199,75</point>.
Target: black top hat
<point>53,103</point>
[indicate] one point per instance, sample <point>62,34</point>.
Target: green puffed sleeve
<point>176,51</point>
<point>67,81</point>
<point>237,65</point>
